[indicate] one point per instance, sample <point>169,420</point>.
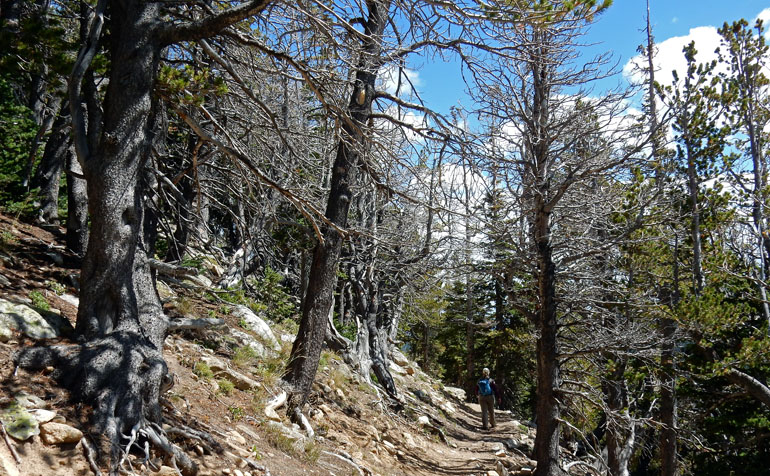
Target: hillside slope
<point>224,376</point>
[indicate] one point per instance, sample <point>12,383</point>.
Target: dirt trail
<point>475,448</point>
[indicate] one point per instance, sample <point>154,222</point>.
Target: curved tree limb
<point>210,25</point>
<point>83,61</point>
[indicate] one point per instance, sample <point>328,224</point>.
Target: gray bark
<point>306,350</point>
<point>77,206</point>
<point>48,175</point>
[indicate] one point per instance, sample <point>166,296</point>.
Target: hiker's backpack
<point>484,387</point>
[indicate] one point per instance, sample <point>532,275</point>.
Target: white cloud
<point>410,80</point>
<point>670,57</point>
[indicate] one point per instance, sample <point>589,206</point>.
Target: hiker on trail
<point>486,390</point>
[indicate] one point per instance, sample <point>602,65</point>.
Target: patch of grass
<point>310,451</point>
<point>39,301</point>
<point>244,356</point>
<point>327,357</point>
<point>184,305</point>
<point>269,370</point>
<point>306,450</point>
<point>196,263</point>
<point>56,287</point>
<point>340,379</point>
<point>366,388</point>
<point>278,440</point>
<point>7,240</point>
<point>203,371</point>
<point>225,386</point>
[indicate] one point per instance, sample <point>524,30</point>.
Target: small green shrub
<point>236,413</point>
<point>203,371</point>
<point>196,263</point>
<point>56,287</point>
<point>7,239</point>
<point>39,301</point>
<point>225,386</point>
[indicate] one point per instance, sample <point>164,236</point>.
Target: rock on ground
<point>53,433</point>
<point>22,318</point>
<point>258,325</point>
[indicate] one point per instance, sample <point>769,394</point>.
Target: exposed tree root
<point>120,376</point>
<point>91,456</point>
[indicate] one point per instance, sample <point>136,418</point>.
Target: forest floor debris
<point>228,427</point>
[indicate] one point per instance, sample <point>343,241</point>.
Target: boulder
<point>424,420</point>
<point>289,433</point>
<point>247,341</point>
<point>409,370</point>
<point>390,447</point>
<point>240,381</point>
<point>5,332</point>
<point>258,326</point>
<point>215,364</point>
<point>31,323</point>
<point>422,395</point>
<point>27,400</point>
<point>399,358</point>
<point>74,300</point>
<point>448,408</point>
<point>457,393</point>
<point>396,369</point>
<point>409,440</point>
<point>53,433</point>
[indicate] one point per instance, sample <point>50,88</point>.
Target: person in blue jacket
<point>486,390</point>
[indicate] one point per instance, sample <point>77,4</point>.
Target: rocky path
<point>471,451</point>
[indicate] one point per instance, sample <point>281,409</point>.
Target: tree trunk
<point>620,429</point>
<point>306,351</point>
<point>48,176</point>
<point>668,413</point>
<point>548,411</point>
<point>668,404</point>
<point>77,207</point>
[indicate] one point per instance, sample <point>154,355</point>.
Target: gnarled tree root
<point>120,376</point>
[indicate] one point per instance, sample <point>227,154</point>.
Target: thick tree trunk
<point>306,351</point>
<point>548,411</point>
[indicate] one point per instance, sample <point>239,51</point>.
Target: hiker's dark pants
<point>487,403</point>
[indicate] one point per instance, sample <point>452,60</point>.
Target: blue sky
<point>620,30</point>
